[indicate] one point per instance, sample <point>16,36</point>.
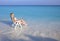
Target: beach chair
<point>16,23</point>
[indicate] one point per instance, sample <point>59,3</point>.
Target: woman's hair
<point>11,14</point>
<point>12,17</point>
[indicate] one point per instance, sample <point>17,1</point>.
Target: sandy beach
<point>35,31</point>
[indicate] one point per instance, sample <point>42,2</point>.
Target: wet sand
<point>40,31</point>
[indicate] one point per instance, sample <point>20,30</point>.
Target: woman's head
<point>12,15</point>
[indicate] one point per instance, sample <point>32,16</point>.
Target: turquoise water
<point>47,24</point>
<point>31,12</point>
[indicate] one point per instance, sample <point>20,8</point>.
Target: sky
<point>29,2</point>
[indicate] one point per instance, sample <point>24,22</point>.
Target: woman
<point>14,20</point>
